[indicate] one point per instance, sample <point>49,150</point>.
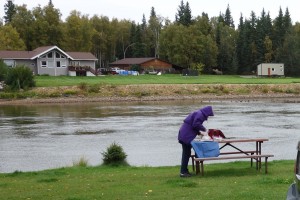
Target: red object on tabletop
<point>215,133</point>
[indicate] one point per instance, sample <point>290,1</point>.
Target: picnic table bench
<point>200,161</point>
<point>238,154</point>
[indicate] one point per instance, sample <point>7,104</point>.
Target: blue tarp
<point>206,148</point>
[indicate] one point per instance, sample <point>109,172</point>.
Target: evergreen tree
<point>10,10</point>
<point>243,51</point>
<point>228,20</point>
<point>184,15</point>
<point>221,18</point>
<point>180,12</point>
<point>144,23</point>
<point>287,21</point>
<point>138,48</point>
<point>132,38</point>
<point>279,32</point>
<point>263,35</point>
<point>187,15</point>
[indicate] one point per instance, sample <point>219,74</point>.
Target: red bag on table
<point>215,133</point>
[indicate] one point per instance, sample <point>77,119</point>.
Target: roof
<point>42,50</point>
<point>36,53</point>
<point>82,56</point>
<point>15,54</point>
<point>132,61</point>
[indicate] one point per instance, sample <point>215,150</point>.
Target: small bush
<point>114,155</point>
<point>3,70</point>
<point>94,88</point>
<point>83,86</point>
<point>20,77</point>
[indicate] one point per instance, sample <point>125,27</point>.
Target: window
<point>50,55</point>
<point>57,55</point>
<point>57,63</point>
<point>74,63</point>
<point>10,63</point>
<point>43,63</point>
<point>273,69</point>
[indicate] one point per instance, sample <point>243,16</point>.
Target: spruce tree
<point>138,48</point>
<point>10,10</point>
<point>184,14</point>
<point>228,18</point>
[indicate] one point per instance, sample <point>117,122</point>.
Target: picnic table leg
<point>258,152</point>
<point>193,162</point>
<point>266,165</point>
<point>197,167</point>
<point>202,168</point>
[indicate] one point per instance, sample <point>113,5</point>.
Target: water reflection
<point>35,137</point>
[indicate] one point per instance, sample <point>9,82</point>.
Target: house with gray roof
<point>53,61</point>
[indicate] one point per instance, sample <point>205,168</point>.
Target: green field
<point>234,180</point>
<point>46,81</point>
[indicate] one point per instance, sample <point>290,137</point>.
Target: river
<point>44,136</point>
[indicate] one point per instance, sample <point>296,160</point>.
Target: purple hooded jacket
<point>193,124</point>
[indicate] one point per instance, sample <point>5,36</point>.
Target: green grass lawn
<point>46,81</point>
<point>234,180</point>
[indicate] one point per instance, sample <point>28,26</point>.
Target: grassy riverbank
<point>151,87</point>
<point>235,180</point>
<point>50,81</point>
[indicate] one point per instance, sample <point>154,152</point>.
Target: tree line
<point>196,42</point>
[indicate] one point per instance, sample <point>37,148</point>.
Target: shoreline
<point>161,92</point>
<point>281,98</point>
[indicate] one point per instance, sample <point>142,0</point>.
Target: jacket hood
<point>207,111</point>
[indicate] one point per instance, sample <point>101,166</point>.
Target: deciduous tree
<point>23,22</point>
<point>10,39</point>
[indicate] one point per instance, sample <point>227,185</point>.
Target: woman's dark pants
<point>186,154</point>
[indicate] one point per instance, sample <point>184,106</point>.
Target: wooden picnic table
<point>255,154</point>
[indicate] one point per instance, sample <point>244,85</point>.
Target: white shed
<point>270,69</point>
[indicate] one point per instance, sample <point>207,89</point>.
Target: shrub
<point>3,70</point>
<point>82,162</point>
<point>94,88</point>
<point>20,77</point>
<point>83,86</point>
<point>114,155</point>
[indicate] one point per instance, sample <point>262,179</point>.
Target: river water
<point>38,137</point>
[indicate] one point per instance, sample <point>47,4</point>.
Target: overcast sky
<point>134,9</point>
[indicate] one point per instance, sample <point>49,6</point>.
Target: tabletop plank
<point>242,140</point>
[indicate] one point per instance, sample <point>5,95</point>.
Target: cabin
<point>52,61</point>
<point>270,69</point>
<point>144,64</point>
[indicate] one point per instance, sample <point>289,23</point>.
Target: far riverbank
<point>162,92</point>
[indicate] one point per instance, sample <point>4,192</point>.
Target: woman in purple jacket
<point>191,127</point>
